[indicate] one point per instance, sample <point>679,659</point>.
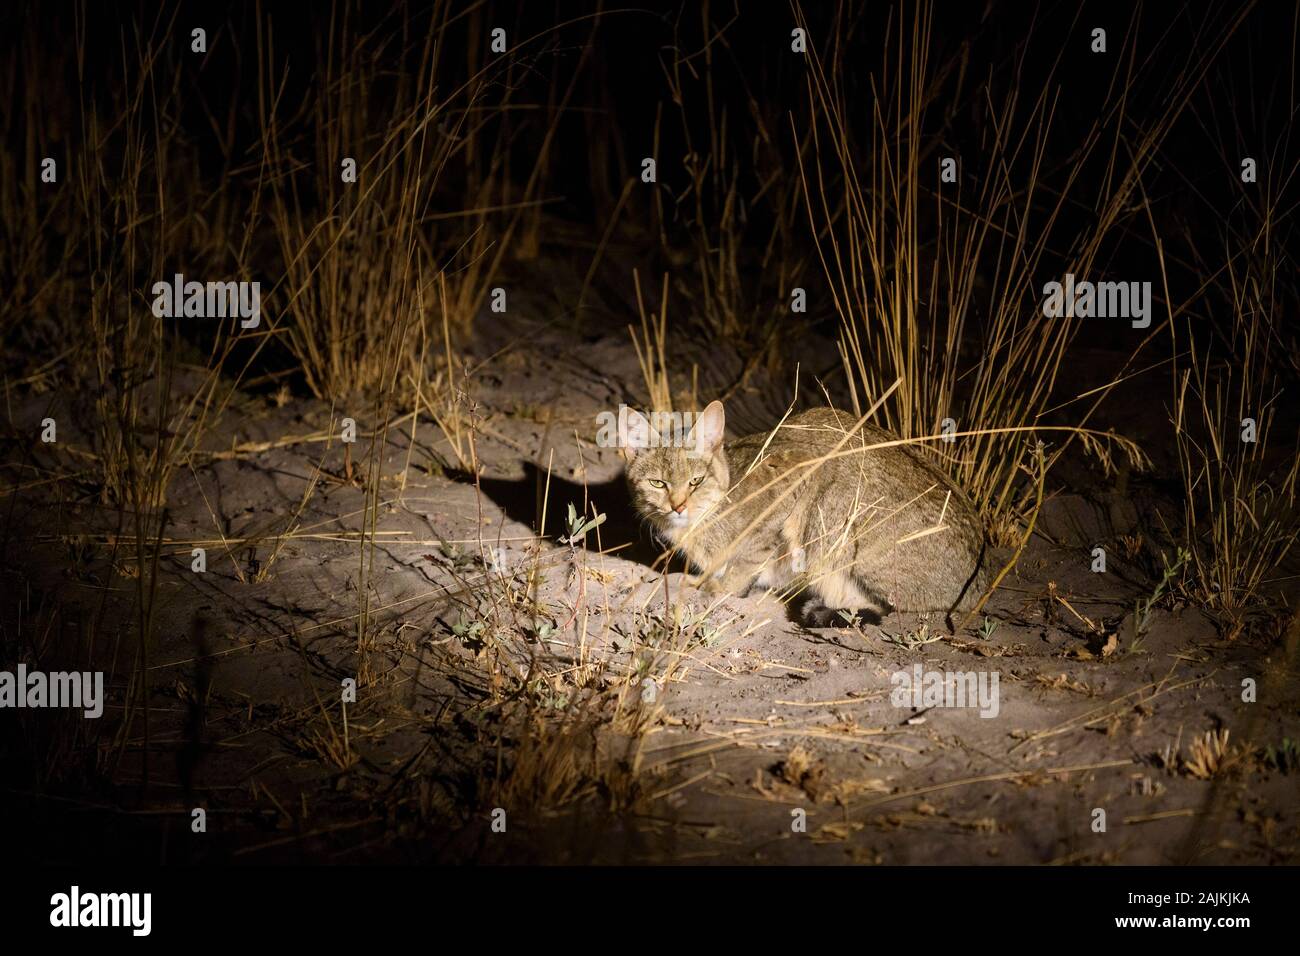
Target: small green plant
<point>684,624</point>
<point>579,525</point>
<point>850,619</point>
<point>1142,610</point>
<point>452,553</point>
<point>546,696</point>
<point>470,632</point>
<point>1285,757</point>
<point>910,640</point>
<point>988,626</point>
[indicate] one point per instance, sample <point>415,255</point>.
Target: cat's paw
<point>727,581</point>
<point>700,582</point>
<point>818,615</point>
<point>712,585</point>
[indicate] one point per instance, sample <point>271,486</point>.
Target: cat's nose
<point>680,508</point>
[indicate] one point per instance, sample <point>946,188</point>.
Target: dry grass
<point>378,276</point>
<point>576,697</point>
<point>1209,755</point>
<point>739,213</point>
<point>374,267</point>
<point>651,342</point>
<point>908,301</point>
<point>1239,504</point>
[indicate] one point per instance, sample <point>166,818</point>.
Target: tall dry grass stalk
<point>1239,504</point>
<point>130,213</point>
<point>742,234</point>
<point>651,344</point>
<point>372,266</point>
<point>907,301</point>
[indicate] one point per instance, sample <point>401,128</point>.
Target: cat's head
<point>674,483</point>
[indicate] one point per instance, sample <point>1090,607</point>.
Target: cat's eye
<point>695,482</point>
<point>656,483</point>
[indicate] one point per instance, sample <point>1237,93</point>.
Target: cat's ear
<point>709,426</point>
<point>633,433</point>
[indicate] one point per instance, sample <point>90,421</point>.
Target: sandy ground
<point>770,742</point>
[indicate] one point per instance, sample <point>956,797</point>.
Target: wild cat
<point>811,507</point>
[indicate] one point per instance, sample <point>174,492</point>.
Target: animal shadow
<point>524,500</point>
